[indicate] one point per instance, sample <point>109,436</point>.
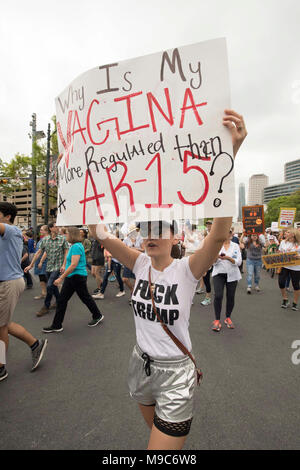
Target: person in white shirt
<point>191,241</point>
<point>161,378</point>
<point>226,273</point>
<point>290,243</point>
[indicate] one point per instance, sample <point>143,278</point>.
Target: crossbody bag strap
<point>172,336</point>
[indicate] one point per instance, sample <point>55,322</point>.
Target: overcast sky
<point>45,45</point>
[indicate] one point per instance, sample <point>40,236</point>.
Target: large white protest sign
<point>143,139</point>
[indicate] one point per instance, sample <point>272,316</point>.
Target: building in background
<point>290,185</point>
<point>283,189</point>
<point>242,200</point>
<point>22,198</point>
<point>292,170</point>
<point>257,184</point>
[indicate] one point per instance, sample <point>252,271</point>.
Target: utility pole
<point>47,177</point>
<point>34,136</point>
<point>33,177</point>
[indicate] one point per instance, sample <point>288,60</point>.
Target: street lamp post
<point>47,177</point>
<point>35,136</point>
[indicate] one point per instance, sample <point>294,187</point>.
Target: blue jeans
<point>116,268</point>
<point>253,267</point>
<point>51,288</point>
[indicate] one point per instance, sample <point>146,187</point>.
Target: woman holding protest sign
<point>291,242</point>
<point>161,375</point>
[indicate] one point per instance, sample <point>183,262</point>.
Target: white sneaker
<point>257,288</point>
<point>206,301</point>
<point>98,296</point>
<point>248,290</point>
<point>120,294</point>
<point>200,291</point>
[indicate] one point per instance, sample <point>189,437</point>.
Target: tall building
<point>290,185</point>
<point>283,189</point>
<point>257,183</point>
<point>22,198</point>
<point>242,200</point>
<point>292,170</point>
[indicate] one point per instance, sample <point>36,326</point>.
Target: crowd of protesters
<point>60,258</point>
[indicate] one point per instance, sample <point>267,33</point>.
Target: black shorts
<point>295,277</point>
<point>98,262</point>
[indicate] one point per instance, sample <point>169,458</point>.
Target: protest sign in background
<point>143,139</point>
<point>281,259</point>
<point>253,219</point>
<point>52,181</point>
<point>286,217</point>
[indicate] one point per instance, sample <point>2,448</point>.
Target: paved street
<point>78,397</point>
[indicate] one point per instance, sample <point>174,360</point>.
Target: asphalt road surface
<point>78,397</point>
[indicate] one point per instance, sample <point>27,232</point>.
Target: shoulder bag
<point>169,333</point>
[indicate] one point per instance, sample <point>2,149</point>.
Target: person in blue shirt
<point>40,267</point>
<point>31,244</point>
<point>74,279</point>
<point>11,287</point>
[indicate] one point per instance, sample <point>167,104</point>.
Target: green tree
<point>273,210</point>
<point>18,170</point>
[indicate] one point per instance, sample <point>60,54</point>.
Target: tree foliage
<point>18,171</point>
<point>273,210</point>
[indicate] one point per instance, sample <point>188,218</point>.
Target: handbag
<point>172,336</point>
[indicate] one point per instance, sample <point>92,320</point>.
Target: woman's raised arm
<point>114,245</point>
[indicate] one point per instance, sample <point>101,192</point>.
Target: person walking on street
<point>114,266</point>
<point>254,246</point>
<point>97,254</point>
<point>290,243</point>
<point>30,244</point>
<point>206,277</point>
<point>226,273</point>
<point>56,248</point>
<point>87,245</point>
<point>74,279</point>
<point>40,267</point>
<point>24,263</point>
<point>162,376</point>
<point>11,286</point>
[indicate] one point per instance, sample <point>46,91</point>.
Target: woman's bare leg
<point>96,273</point>
<point>158,440</point>
<point>284,294</point>
<point>296,296</point>
<point>43,288</point>
<point>148,414</point>
<point>161,441</point>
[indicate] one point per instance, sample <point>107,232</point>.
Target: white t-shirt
<point>191,242</point>
<point>227,267</point>
<point>137,243</point>
<point>289,246</point>
<point>174,291</point>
